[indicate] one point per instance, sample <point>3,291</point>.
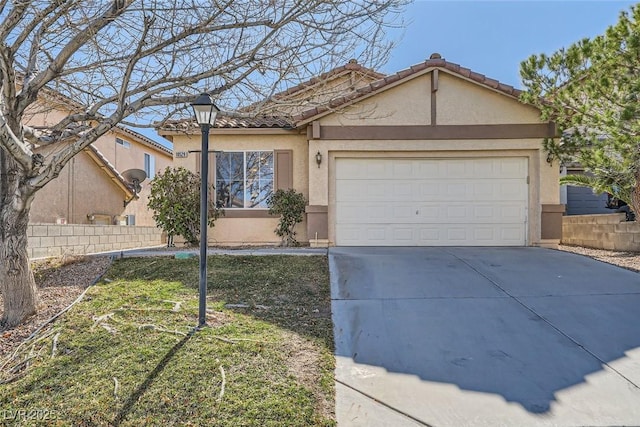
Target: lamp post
<point>205,112</point>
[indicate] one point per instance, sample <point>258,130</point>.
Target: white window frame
<point>244,177</point>
<point>121,142</point>
<point>150,165</point>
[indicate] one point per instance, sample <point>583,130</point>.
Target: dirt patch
<point>60,281</point>
<point>302,358</point>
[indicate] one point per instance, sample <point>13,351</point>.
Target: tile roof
<point>143,139</point>
<point>434,62</point>
<point>110,170</point>
<point>383,81</point>
<point>352,65</point>
<point>232,121</point>
<point>246,120</point>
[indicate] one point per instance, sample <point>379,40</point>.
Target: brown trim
<point>283,169</point>
<point>317,222</point>
<point>551,221</point>
<point>316,208</point>
<point>434,104</point>
<point>247,213</point>
<point>553,208</point>
<point>315,130</point>
<point>440,132</point>
<point>211,175</point>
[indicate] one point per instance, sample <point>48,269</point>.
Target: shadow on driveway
<point>524,324</point>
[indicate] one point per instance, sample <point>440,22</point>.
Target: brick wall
<point>608,231</point>
<point>47,240</point>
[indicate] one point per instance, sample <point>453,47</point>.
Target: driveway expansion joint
<point>380,402</point>
<point>547,321</point>
<point>424,298</point>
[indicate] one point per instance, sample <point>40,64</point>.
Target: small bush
<point>290,206</point>
<point>175,202</point>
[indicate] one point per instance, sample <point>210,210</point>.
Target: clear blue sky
<point>493,37</point>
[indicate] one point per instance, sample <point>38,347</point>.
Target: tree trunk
<point>17,284</point>
<point>635,196</point>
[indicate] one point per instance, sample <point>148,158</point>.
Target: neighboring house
<point>432,155</point>
<point>91,188</point>
<point>126,149</point>
<point>581,200</point>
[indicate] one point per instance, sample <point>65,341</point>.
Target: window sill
<point>247,213</point>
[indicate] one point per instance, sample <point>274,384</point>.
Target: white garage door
<point>431,202</point>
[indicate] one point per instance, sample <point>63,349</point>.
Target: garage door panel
<point>403,214</point>
<point>454,190</point>
<point>444,190</point>
<point>510,190</point>
<point>374,190</point>
<point>511,168</point>
<point>401,170</point>
<point>429,169</point>
<point>431,201</point>
<point>435,213</point>
<point>374,168</point>
<point>460,235</point>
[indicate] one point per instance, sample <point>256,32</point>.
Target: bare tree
<point>132,62</point>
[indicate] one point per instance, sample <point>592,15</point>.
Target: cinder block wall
<point>608,231</point>
<point>47,240</point>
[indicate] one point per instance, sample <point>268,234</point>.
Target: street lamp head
<point>205,110</point>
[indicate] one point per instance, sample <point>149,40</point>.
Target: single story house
<point>434,155</point>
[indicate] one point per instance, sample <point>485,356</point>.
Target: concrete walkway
<point>171,252</point>
<point>484,337</point>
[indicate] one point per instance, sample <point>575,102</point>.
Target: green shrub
<point>290,206</point>
<point>175,201</point>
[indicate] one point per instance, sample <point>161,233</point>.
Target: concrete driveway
<point>484,337</point>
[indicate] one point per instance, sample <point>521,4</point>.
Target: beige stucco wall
<point>133,157</point>
<point>123,159</point>
<point>460,102</point>
<point>406,104</point>
<point>81,189</point>
<point>238,231</point>
<point>549,180</point>
<point>46,113</point>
